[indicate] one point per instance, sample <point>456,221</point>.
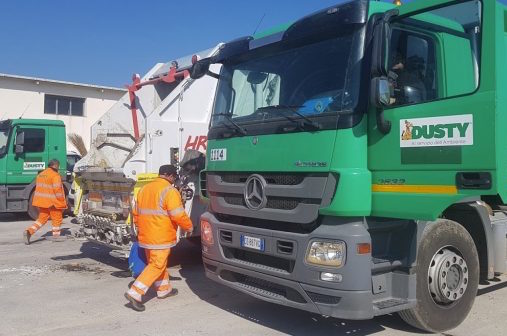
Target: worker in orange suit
<point>157,214</point>
<point>49,198</point>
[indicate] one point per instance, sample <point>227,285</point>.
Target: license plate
<point>252,242</point>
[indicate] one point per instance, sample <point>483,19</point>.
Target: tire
<point>33,212</point>
<point>432,312</point>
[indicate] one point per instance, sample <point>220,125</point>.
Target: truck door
<point>24,166</point>
<point>438,113</point>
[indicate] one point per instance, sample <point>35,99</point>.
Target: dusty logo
<point>437,131</point>
<point>34,165</point>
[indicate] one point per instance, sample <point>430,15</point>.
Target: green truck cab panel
<point>375,172</point>
<point>421,180</point>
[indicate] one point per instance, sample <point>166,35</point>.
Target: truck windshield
<point>288,88</point>
<point>4,136</point>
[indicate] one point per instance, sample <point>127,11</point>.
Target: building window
<point>61,105</point>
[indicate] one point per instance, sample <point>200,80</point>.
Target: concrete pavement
<point>75,288</point>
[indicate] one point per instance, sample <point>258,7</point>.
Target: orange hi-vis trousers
<point>44,215</point>
<point>154,273</point>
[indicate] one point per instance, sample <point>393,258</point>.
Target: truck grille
<point>273,202</point>
<point>292,198</point>
<point>262,287</point>
<point>285,247</point>
<point>325,299</point>
<point>226,236</point>
<point>260,260</point>
<point>278,179</point>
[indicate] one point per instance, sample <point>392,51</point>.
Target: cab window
<point>34,140</point>
<point>413,67</point>
<point>254,90</point>
<point>435,54</point>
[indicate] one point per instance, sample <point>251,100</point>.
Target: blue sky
<point>104,42</point>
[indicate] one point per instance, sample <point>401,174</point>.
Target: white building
<point>77,105</point>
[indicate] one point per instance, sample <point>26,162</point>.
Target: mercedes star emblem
<point>255,196</point>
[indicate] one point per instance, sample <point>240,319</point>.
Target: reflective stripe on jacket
<point>158,213</point>
<point>49,190</point>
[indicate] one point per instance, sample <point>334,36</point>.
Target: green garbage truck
<point>26,146</point>
<point>357,160</point>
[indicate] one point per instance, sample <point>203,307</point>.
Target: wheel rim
<point>447,276</point>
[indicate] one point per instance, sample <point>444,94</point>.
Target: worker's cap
<point>167,170</point>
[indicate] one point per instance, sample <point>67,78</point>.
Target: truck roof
<point>44,122</point>
<point>273,30</point>
<point>276,33</point>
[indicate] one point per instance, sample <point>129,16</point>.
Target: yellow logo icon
<point>407,133</point>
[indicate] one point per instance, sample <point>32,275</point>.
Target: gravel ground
<point>75,288</point>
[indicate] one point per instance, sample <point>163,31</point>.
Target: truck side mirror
<point>256,77</point>
<point>380,86</point>
<point>380,98</point>
<point>19,143</point>
<point>380,92</point>
<point>19,149</point>
<point>381,38</point>
<point>199,68</point>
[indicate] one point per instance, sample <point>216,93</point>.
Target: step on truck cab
<point>26,146</point>
<point>357,161</point>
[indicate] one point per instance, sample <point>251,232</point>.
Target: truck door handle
<point>473,180</point>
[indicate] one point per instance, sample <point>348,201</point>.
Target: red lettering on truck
<point>196,142</point>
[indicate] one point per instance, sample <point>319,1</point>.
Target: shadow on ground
<point>100,254</point>
<point>283,319</point>
<point>14,217</point>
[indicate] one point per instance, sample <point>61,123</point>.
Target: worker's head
<point>168,172</point>
<point>54,164</point>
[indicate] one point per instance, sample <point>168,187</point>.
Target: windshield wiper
<point>280,109</point>
<point>228,116</point>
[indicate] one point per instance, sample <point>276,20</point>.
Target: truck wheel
<point>447,277</point>
<point>33,212</point>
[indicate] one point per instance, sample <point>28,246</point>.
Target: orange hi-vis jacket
<point>49,190</point>
<point>158,213</point>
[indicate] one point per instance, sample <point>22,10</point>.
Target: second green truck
<point>26,146</point>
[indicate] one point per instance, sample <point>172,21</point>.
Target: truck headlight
<point>326,253</point>
<point>206,232</point>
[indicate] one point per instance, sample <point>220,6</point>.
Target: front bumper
<point>282,276</point>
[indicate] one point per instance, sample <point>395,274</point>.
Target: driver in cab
<point>407,79</point>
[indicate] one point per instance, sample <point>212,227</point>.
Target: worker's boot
<point>136,305</point>
<point>26,237</point>
<point>173,292</point>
